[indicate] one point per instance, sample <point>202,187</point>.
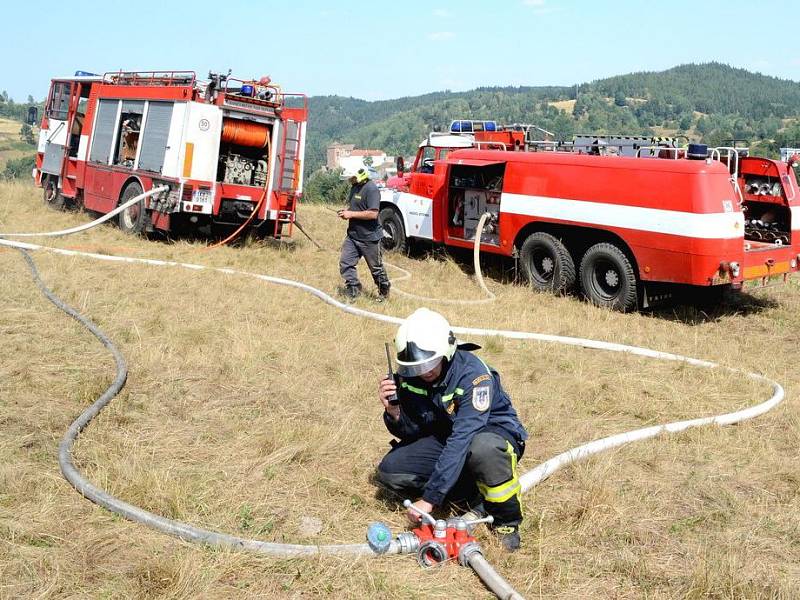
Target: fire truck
<point>224,147</point>
<point>623,230</point>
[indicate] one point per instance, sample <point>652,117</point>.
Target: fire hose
<point>476,262</point>
<point>400,544</point>
<point>96,222</point>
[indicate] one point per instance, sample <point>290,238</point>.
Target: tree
<point>326,186</point>
<point>26,134</point>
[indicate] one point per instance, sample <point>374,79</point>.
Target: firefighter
<point>364,234</point>
<point>460,438</point>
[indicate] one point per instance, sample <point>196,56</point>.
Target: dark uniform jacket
<point>364,196</point>
<point>468,399</point>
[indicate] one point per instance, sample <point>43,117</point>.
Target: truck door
<point>54,138</point>
<point>422,178</point>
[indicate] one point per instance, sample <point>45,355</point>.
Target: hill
<point>710,102</point>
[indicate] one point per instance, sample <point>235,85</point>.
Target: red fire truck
<point>621,229</point>
<point>223,147</point>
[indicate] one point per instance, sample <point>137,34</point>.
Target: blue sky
<point>394,49</point>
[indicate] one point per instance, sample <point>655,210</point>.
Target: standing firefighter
<point>364,234</point>
<point>460,438</point>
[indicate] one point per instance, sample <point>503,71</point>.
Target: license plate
<point>202,196</point>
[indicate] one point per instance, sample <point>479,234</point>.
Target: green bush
<point>19,168</point>
<point>326,187</point>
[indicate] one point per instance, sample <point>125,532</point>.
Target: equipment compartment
<point>244,153</point>
<point>473,191</point>
<point>767,217</point>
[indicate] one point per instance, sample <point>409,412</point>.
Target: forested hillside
<point>710,102</point>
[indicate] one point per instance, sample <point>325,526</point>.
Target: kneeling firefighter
<point>460,438</point>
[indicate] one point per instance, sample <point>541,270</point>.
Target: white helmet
<point>423,341</point>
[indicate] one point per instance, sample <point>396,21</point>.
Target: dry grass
<point>568,106</point>
<point>11,146</point>
<point>250,406</point>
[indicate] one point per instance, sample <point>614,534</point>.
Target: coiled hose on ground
<point>528,480</point>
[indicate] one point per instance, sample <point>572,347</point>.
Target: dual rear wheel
<point>606,276</point>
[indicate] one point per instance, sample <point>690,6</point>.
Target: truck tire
<point>134,219</point>
<point>51,195</point>
<point>394,234</point>
<point>546,263</point>
<point>608,279</point>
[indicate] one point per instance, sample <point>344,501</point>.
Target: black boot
<point>509,536</point>
<point>351,292</point>
<point>383,292</point>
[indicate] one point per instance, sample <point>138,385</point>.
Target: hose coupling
<point>466,551</point>
<point>431,554</point>
<point>408,542</point>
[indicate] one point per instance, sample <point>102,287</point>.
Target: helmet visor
<point>417,369</point>
<point>413,361</point>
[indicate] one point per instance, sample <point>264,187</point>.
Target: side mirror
<point>401,165</point>
<point>33,115</point>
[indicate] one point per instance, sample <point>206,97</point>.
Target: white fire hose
<point>96,222</point>
<point>493,580</point>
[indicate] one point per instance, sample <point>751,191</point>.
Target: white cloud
<point>441,36</point>
<point>441,12</point>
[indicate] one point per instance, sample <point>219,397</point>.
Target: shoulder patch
<point>481,379</point>
<point>482,398</point>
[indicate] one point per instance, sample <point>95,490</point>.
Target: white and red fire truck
<point>223,147</point>
<point>622,229</point>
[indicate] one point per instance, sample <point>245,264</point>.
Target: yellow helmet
<point>361,175</point>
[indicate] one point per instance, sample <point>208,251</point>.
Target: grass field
<point>250,406</point>
<point>11,146</point>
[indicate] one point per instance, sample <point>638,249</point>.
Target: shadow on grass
<point>687,305</point>
<point>708,306</point>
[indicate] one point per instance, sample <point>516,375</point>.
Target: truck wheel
<point>134,219</point>
<point>394,235</point>
<point>546,263</point>
<point>51,196</point>
<point>608,278</point>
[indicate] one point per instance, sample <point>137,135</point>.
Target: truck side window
<point>58,107</point>
<point>426,160</point>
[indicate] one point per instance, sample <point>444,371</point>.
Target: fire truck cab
<point>226,148</point>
